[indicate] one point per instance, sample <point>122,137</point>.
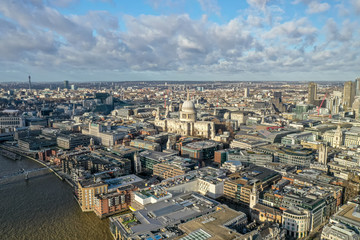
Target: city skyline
<point>253,40</point>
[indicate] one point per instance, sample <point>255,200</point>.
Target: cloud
<point>293,32</point>
<point>62,3</point>
<point>161,4</point>
<point>356,5</point>
<point>334,34</point>
<point>314,6</point>
<point>33,33</point>
<point>260,4</point>
<point>210,6</point>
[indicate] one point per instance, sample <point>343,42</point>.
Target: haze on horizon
<point>110,40</point>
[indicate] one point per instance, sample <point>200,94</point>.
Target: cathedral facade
<point>187,124</point>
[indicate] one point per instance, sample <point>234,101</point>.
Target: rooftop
<point>201,144</point>
<point>349,214</point>
<point>166,213</point>
<point>159,156</point>
<point>213,224</point>
<point>122,181</point>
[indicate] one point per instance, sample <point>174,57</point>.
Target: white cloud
<point>261,4</point>
<point>316,7</point>
<point>35,34</point>
<point>344,34</point>
<point>210,6</point>
<point>62,3</point>
<point>356,5</point>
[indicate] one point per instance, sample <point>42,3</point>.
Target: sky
<point>135,40</point>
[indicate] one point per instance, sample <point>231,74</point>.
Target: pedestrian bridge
<point>24,174</point>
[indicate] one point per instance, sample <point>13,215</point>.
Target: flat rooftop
<point>122,181</point>
<point>201,145</point>
<point>166,213</point>
<point>213,224</point>
<point>156,155</point>
<point>349,213</point>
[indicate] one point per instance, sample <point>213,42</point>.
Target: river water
<point>43,208</point>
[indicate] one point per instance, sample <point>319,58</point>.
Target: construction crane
<point>322,102</point>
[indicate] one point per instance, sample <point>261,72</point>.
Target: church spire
<point>188,95</point>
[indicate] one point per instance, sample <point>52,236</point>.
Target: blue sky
<point>118,40</point>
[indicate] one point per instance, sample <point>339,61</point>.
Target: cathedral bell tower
<point>254,196</point>
<point>338,137</point>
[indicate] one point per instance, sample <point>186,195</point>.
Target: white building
<point>296,223</point>
<point>187,124</point>
<point>104,135</point>
<point>10,122</point>
<point>338,232</point>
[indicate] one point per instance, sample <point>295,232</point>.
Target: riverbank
<point>17,152</point>
<point>44,208</point>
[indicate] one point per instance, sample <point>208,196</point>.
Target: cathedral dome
<point>188,106</point>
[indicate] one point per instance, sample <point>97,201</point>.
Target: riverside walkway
<point>18,152</point>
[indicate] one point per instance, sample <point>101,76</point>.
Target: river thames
<point>43,208</point>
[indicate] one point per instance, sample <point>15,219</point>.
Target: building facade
<point>187,124</point>
<point>312,93</point>
<point>86,192</point>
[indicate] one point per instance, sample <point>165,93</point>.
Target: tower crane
<point>322,102</point>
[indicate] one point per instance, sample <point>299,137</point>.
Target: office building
<point>338,231</point>
<point>66,84</point>
<point>173,167</point>
<point>148,159</point>
<point>323,154</point>
<point>296,222</point>
<point>154,219</point>
<point>201,150</point>
<point>312,93</point>
<point>105,134</point>
<point>11,122</point>
<point>239,185</point>
<point>221,156</point>
<point>246,92</point>
<point>73,140</point>
<point>349,94</point>
<point>138,143</point>
<point>296,156</point>
<point>349,215</point>
<point>223,224</point>
<point>357,85</point>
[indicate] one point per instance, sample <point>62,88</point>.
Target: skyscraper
<point>66,84</point>
<point>349,94</point>
<point>246,92</point>
<point>357,85</point>
<point>312,93</point>
<point>323,154</point>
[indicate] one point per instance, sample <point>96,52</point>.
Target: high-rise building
<point>246,92</point>
<point>312,93</point>
<point>333,104</point>
<point>357,85</point>
<point>349,94</point>
<point>29,83</point>
<point>66,84</point>
<point>323,154</point>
